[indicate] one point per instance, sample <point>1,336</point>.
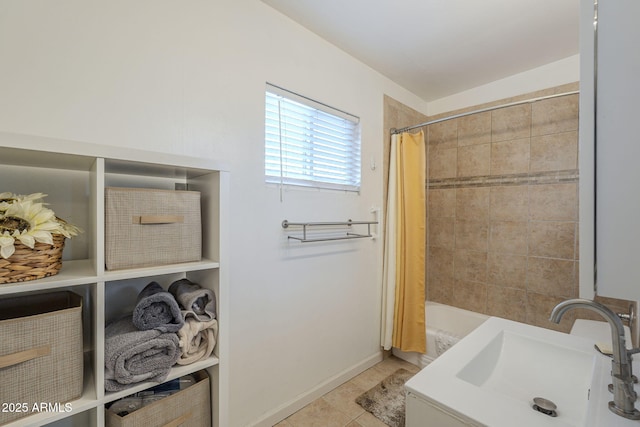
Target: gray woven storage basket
<point>190,407</point>
<point>41,358</point>
<point>146,227</point>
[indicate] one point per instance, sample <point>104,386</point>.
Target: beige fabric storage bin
<point>145,227</point>
<point>40,353</point>
<point>190,407</point>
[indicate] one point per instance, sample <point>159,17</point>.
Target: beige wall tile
<point>509,203</point>
<point>581,313</point>
<point>473,203</point>
<point>470,296</point>
<point>554,152</point>
<point>441,291</point>
<point>444,134</point>
<point>553,277</point>
<point>441,232</point>
<point>507,270</point>
<point>508,303</point>
<point>508,237</point>
<point>511,123</point>
<point>399,115</point>
<point>470,266</point>
<point>532,228</point>
<point>440,263</point>
<point>474,160</point>
<point>555,115</point>
<point>553,202</point>
<point>443,163</point>
<point>474,129</point>
<point>615,304</point>
<point>472,235</point>
<point>442,203</point>
<point>539,308</point>
<point>552,239</point>
<point>510,157</point>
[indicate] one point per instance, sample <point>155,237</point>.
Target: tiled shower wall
<point>503,210</point>
<point>502,207</point>
<point>396,116</point>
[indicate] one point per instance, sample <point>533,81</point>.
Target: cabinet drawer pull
<point>178,421</point>
<point>23,356</point>
<point>158,219</point>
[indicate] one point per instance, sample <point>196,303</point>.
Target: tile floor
<point>338,407</point>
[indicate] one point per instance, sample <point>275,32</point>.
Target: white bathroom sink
<point>492,376</point>
<point>519,367</point>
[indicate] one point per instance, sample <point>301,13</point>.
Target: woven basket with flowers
<point>31,238</point>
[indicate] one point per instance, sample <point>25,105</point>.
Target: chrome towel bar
<point>349,235</point>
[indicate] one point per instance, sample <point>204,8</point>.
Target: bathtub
<point>446,325</point>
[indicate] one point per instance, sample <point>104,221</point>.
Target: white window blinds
<point>310,144</point>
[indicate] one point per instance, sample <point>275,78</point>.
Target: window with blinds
<point>310,144</point>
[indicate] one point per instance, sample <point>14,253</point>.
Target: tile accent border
<point>553,177</point>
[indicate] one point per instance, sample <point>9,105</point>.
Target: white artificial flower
<point>24,218</point>
<point>25,238</point>
<point>6,245</point>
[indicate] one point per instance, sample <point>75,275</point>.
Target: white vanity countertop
<point>600,332</point>
<point>440,383</point>
<point>600,415</point>
<point>597,331</point>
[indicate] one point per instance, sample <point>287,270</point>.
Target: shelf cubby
<point>74,175</point>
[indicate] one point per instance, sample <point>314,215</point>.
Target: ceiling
<point>436,48</point>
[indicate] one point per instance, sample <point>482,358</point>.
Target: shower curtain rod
<point>482,110</point>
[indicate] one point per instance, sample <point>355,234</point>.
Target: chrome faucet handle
<point>624,396</point>
<point>634,350</point>
<point>625,317</point>
<point>629,392</point>
<point>628,317</point>
<point>630,354</point>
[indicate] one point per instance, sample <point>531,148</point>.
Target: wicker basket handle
<point>158,219</point>
<point>23,356</point>
<point>178,421</point>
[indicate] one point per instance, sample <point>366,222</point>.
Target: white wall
<point>188,78</point>
<point>617,149</point>
<point>586,153</point>
<point>557,73</point>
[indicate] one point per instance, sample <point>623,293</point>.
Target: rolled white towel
<point>197,340</point>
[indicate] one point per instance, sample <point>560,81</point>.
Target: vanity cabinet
<point>609,69</point>
<point>74,176</point>
<point>421,413</point>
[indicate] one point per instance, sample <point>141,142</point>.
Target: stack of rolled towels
<point>166,327</point>
<point>198,308</point>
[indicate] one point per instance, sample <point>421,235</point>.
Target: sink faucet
<point>624,396</point>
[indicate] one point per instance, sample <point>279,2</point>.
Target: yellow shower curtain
<point>405,247</point>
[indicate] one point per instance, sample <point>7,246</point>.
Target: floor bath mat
<point>386,401</point>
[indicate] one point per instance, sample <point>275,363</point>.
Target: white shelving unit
<point>74,176</point>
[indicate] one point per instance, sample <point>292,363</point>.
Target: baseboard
<point>294,405</point>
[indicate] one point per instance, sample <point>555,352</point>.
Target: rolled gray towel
<point>132,356</point>
<point>157,309</point>
<point>195,300</point>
